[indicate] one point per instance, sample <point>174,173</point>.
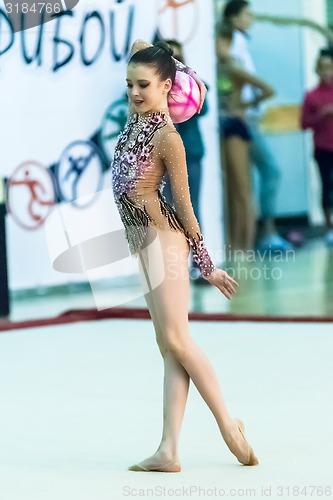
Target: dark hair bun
<point>159,56</point>
<point>164,46</point>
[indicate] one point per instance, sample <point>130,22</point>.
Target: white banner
<point>62,105</point>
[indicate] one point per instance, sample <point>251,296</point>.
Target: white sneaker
<point>329,238</point>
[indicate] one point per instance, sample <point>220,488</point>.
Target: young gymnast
<point>148,147</point>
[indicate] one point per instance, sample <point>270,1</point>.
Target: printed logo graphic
<point>32,13</point>
<point>79,172</point>
<point>113,123</point>
<point>30,194</point>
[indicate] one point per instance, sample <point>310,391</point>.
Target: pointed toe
<point>253,459</point>
<point>250,459</point>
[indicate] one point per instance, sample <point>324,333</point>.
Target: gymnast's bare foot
<point>159,462</point>
<point>236,441</point>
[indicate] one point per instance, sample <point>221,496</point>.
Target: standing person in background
<point>238,14</point>
<point>236,138</point>
<point>317,114</point>
<point>195,151</point>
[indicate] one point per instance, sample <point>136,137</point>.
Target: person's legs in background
<point>241,219</point>
<point>270,177</point>
<point>235,141</point>
<point>324,161</point>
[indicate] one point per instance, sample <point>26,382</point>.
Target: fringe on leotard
<point>136,221</point>
<point>170,213</point>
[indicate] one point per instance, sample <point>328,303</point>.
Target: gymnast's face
<point>145,89</point>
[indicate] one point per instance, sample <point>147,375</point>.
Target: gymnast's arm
<point>174,158</point>
<point>173,154</point>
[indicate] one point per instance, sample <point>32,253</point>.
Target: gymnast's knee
<point>175,344</point>
<point>161,345</point>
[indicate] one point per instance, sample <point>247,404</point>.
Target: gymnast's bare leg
<point>183,359</point>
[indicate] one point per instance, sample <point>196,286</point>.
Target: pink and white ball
<point>183,98</point>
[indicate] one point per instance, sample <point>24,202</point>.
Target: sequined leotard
<point>148,148</point>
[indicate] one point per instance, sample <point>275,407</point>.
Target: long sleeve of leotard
<point>174,158</point>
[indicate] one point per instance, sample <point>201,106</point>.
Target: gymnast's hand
<point>223,282</point>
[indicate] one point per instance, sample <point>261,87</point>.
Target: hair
<point>174,42</point>
<point>233,8</point>
<point>225,30</point>
<point>322,54</point>
<point>326,52</point>
<point>160,57</point>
